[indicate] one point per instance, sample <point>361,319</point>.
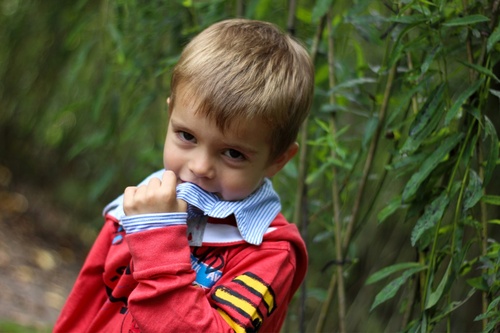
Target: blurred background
<point>397,167</point>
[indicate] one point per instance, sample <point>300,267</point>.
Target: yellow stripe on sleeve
<point>237,302</point>
<point>261,288</point>
<point>237,328</point>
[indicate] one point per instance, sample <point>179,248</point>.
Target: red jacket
<point>153,281</point>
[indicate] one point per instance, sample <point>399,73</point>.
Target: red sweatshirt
<point>153,281</point>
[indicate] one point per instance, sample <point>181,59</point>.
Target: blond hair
<point>239,69</point>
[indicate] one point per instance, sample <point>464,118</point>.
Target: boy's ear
<point>282,160</point>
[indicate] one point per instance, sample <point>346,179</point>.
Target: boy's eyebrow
<point>236,146</point>
<point>248,150</point>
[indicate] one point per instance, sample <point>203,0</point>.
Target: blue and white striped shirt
<point>253,214</point>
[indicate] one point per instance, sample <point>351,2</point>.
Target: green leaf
<point>432,214</point>
<point>304,14</point>
<point>317,294</point>
<point>427,111</point>
<point>425,121</point>
<point>478,283</point>
<point>392,288</point>
<point>388,210</point>
<point>398,48</point>
<point>429,59</point>
<point>491,199</point>
<point>474,190</point>
<point>411,161</point>
<point>467,20</point>
<point>409,19</point>
<point>493,304</point>
<point>371,126</point>
<point>435,296</point>
<point>452,307</point>
<point>262,8</point>
<point>495,92</point>
<point>350,84</point>
<point>492,153</point>
<point>386,271</point>
<point>494,38</point>
<point>481,70</point>
<point>406,99</point>
<point>452,112</point>
<point>320,8</point>
<point>429,165</point>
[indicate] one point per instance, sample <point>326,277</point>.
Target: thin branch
<point>292,8</point>
<point>301,213</point>
<point>335,190</point>
<point>240,8</point>
<point>370,157</point>
<point>468,46</point>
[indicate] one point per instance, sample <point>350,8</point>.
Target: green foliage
<point>407,133</point>
<point>11,327</point>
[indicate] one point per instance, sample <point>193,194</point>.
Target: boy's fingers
<point>169,179</point>
<point>129,191</point>
<point>158,196</point>
<point>154,183</point>
<point>128,199</point>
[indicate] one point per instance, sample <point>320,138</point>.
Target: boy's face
<point>231,164</point>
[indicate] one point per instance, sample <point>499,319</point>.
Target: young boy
<point>202,246</point>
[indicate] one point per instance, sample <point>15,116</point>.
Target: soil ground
<point>40,257</point>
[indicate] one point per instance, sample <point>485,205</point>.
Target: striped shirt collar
<point>253,214</point>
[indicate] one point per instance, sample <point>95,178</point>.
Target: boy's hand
<point>158,196</point>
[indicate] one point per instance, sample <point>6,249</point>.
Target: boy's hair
<point>239,69</point>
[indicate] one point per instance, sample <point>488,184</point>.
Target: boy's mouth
<point>180,181</point>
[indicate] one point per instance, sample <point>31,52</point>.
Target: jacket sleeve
<point>255,283</point>
<point>88,292</point>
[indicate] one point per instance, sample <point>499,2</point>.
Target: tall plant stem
<point>468,46</point>
<point>495,6</point>
<point>432,256</point>
<point>484,218</point>
<point>290,25</point>
<point>240,8</point>
<point>300,213</point>
<point>369,159</point>
<point>484,237</point>
<point>335,188</point>
<point>346,237</point>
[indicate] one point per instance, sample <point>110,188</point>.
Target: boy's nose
<point>202,167</point>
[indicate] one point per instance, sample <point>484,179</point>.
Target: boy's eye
<point>234,154</point>
<point>186,136</point>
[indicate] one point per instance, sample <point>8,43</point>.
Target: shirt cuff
<point>142,222</point>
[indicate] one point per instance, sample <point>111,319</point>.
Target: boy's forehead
<point>188,114</point>
<point>237,124</point>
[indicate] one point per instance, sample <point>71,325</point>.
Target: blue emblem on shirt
<point>206,275</point>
